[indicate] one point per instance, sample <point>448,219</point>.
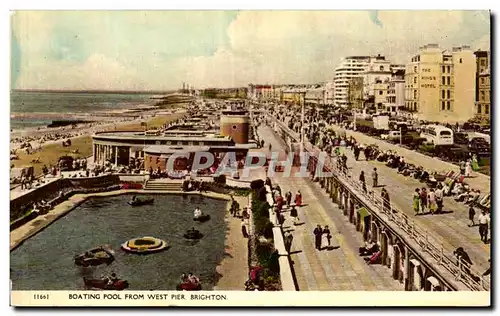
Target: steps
<point>155,185</point>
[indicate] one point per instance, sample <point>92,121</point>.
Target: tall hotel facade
<point>350,68</point>
<point>440,85</point>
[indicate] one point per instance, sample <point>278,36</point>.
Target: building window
<point>486,109</point>
<point>448,94</point>
<point>479,109</point>
<point>442,94</point>
<point>381,68</point>
<point>380,92</point>
<point>414,94</point>
<point>444,68</point>
<point>482,95</point>
<point>414,79</point>
<point>460,61</point>
<point>448,68</point>
<point>415,69</point>
<point>448,81</point>
<point>482,80</point>
<point>448,106</point>
<point>443,80</point>
<point>482,62</point>
<point>442,105</point>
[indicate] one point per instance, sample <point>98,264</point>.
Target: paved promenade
<point>340,268</point>
<point>450,229</point>
<point>477,181</point>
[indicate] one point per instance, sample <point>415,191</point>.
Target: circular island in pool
<point>144,245</point>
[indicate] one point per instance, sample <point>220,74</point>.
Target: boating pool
<point>45,261</point>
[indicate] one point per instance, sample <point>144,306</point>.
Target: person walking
<point>386,201</point>
<point>288,241</point>
<point>439,198</point>
<point>432,201</point>
<point>298,199</point>
<point>362,180</point>
<point>416,201</point>
<point>327,233</point>
<point>244,230</point>
<point>468,168</point>
<point>423,199</point>
<point>375,177</point>
<point>294,215</point>
<point>318,232</point>
<point>484,221</point>
<point>472,213</point>
<point>288,197</point>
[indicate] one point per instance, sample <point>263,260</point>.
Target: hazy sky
<point>158,50</point>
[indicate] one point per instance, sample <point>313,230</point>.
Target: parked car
<point>392,136</point>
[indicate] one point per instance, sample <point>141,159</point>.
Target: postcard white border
<point>217,4</point>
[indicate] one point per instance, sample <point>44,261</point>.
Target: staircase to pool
<point>163,185</point>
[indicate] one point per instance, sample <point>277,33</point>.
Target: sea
<point>38,109</point>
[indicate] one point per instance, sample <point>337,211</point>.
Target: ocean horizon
<point>38,105</point>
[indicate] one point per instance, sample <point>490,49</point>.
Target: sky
<point>158,50</point>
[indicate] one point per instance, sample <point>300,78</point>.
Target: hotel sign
<point>428,78</point>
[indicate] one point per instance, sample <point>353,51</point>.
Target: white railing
<point>428,243</point>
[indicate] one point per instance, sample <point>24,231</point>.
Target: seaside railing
<point>428,243</point>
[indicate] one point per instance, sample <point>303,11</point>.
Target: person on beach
<point>416,201</point>
<point>468,168</point>
<point>318,233</point>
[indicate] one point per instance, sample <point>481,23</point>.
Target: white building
<point>396,93</point>
<point>377,71</point>
<point>350,67</point>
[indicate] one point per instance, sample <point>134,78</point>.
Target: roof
<point>164,149</point>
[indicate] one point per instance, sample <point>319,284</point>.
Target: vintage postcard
<point>249,158</point>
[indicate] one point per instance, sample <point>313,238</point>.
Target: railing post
<point>459,269</point>
<point>441,255</point>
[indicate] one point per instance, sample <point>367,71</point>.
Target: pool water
<point>45,261</point>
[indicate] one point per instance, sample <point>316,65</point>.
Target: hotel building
<point>483,84</point>
<point>440,85</point>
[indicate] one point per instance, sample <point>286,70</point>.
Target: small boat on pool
<point>202,218</point>
<point>189,283</point>
<point>95,257</point>
<point>144,245</point>
<point>103,284</point>
<point>140,202</point>
<point>193,234</point>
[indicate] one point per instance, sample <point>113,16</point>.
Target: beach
<point>45,144</point>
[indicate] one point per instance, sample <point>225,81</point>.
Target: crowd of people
<point>426,200</point>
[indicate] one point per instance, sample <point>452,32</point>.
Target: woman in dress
<point>298,199</point>
<point>468,168</point>
<point>432,201</point>
<point>416,201</point>
<point>328,235</point>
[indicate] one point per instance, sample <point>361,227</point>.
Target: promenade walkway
<point>450,229</point>
<point>340,268</point>
<point>477,181</point>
